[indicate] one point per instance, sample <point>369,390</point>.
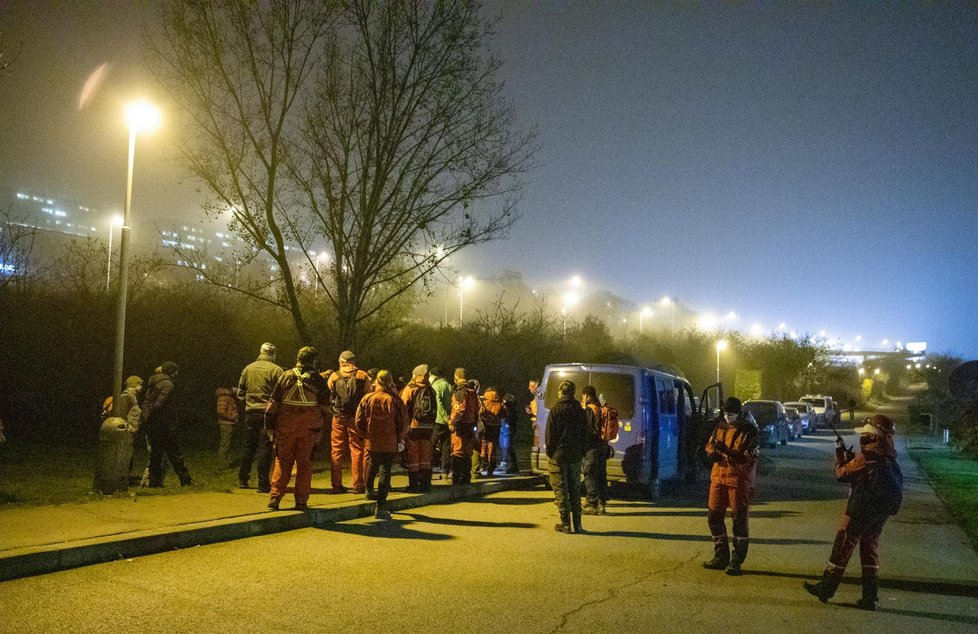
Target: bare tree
<point>374,131</point>
<point>6,59</point>
<point>16,248</point>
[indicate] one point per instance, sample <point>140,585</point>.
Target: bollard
<point>947,436</point>
<point>113,456</point>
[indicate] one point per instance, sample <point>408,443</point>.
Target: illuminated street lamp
<point>876,371</point>
<point>464,283</point>
<point>116,221</point>
<point>645,312</point>
<point>668,301</point>
<point>571,298</point>
<point>141,116</point>
<point>721,346</point>
<point>862,371</point>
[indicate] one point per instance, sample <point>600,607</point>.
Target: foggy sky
<point>808,164</point>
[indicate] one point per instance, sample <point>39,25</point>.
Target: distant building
<point>45,212</point>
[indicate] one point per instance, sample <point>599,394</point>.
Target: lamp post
<point>642,314</point>
<point>721,345</point>
<point>464,283</point>
<point>571,298</point>
<point>668,301</point>
<point>141,117</point>
<point>116,221</point>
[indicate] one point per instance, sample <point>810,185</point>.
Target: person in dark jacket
<point>876,492</point>
<point>255,388</point>
<point>159,416</point>
<point>733,449</point>
<point>566,440</point>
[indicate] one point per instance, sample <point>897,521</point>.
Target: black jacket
<point>159,406</point>
<point>566,436</point>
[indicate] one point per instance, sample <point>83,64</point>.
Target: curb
<point>28,562</point>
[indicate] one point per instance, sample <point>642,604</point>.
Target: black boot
<point>739,556</point>
<point>824,589</point>
<point>871,593</point>
<point>564,526</point>
<point>721,555</point>
<point>577,523</point>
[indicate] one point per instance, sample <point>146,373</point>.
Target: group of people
<point>429,422</point>
<point>573,439</point>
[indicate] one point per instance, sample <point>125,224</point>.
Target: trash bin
<point>113,456</point>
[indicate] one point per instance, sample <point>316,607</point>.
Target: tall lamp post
<point>141,117</point>
<point>668,301</point>
<point>116,221</point>
<point>721,346</point>
<point>464,283</point>
<point>642,314</point>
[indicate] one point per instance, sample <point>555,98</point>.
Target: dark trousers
<point>862,531</point>
<point>380,468</point>
<point>595,468</point>
<point>441,447</point>
<point>163,443</point>
<point>565,480</point>
<point>256,442</point>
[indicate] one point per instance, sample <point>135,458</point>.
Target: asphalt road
<point>496,565</point>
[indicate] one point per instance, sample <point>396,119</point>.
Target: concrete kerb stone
<point>26,562</point>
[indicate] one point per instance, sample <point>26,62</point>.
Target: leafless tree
<point>6,58</point>
<point>16,248</point>
<point>374,131</point>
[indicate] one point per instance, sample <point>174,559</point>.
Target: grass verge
<point>955,478</point>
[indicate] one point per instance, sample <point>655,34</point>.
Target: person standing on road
<point>733,449</point>
<point>347,386</point>
<point>298,409</point>
<point>419,398</point>
<point>491,415</point>
<point>255,388</point>
<point>160,418</point>
<point>227,422</point>
<point>876,493</point>
<point>566,440</point>
<point>441,436</point>
<point>462,422</point>
<point>382,421</point>
<point>596,457</point>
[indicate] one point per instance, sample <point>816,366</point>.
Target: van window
<point>618,389</point>
<point>667,398</point>
<point>816,402</point>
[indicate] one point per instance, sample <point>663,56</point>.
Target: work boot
<point>591,509</point>
<point>739,556</point>
<point>382,514</point>
<point>871,587</point>
<point>824,589</point>
<point>601,509</point>
<point>243,484</point>
<point>564,526</point>
<point>721,556</point>
<point>425,481</point>
<point>371,494</point>
<point>273,503</point>
<point>577,523</point>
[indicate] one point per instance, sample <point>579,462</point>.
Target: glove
<point>400,446</point>
<point>721,446</point>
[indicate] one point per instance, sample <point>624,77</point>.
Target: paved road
<point>496,565</point>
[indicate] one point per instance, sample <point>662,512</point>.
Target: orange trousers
<point>294,447</point>
<point>344,435</point>
<point>417,449</point>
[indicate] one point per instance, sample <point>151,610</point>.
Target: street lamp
<point>141,116</point>
<point>721,346</point>
<point>668,301</point>
<point>116,221</point>
<point>645,312</point>
<point>464,283</point>
<point>571,298</point>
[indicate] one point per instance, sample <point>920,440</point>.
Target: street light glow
<point>142,116</point>
<point>721,345</point>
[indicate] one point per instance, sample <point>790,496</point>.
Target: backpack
<point>879,490</point>
<point>423,407</point>
<point>609,424</point>
<point>348,391</point>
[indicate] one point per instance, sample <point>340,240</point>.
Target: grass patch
<point>955,478</point>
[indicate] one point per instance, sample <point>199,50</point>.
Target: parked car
<point>826,413</point>
<point>807,414</point>
<point>772,422</point>
<point>794,422</point>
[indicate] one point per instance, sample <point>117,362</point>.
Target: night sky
<point>810,163</point>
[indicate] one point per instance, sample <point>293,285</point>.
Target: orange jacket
<point>407,395</point>
<point>382,420</point>
<point>227,407</point>
<point>465,410</point>
<point>734,451</point>
<point>299,401</point>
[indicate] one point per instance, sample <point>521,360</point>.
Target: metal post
<point>108,264</point>
<point>120,322</point>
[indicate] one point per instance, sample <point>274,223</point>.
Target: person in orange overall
<point>422,408</point>
<point>382,421</point>
<point>733,449</point>
<point>491,415</point>
<point>347,386</point>
<point>462,422</point>
<point>297,411</point>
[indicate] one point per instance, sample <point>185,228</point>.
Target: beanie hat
<point>385,378</point>
<point>732,406</point>
<point>134,381</point>
<point>459,374</point>
<point>347,356</point>
<point>420,370</point>
<point>268,348</point>
<point>307,357</point>
<point>169,367</point>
